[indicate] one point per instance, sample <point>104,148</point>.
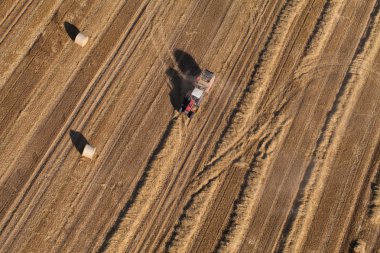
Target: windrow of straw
<point>159,169</point>
<point>183,235</point>
<point>317,42</point>
<point>241,215</point>
<point>238,142</point>
<point>333,131</point>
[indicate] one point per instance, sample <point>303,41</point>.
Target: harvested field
<point>283,155</point>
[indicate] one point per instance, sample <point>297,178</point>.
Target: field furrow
<point>281,156</point>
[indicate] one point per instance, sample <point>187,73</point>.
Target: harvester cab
<point>193,99</point>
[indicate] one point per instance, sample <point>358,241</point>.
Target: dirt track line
<point>31,131</point>
<point>316,43</point>
<point>202,130</point>
<point>334,127</point>
<point>155,99</point>
<point>184,232</point>
<point>240,162</point>
<point>176,39</point>
<point>220,154</point>
<point>159,240</point>
<point>162,200</point>
<point>5,10</point>
<point>48,154</point>
<point>272,31</point>
<point>94,106</point>
<point>215,220</point>
<point>364,164</point>
<point>236,151</point>
<point>100,95</point>
<point>5,28</point>
<point>258,85</point>
<point>239,219</point>
<point>153,178</point>
<point>28,95</point>
<point>15,55</point>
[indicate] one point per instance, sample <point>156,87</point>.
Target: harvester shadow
<point>180,86</point>
<point>71,30</point>
<point>187,64</point>
<point>353,245</point>
<point>78,140</point>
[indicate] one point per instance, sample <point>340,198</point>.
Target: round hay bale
<point>88,151</point>
<point>81,39</point>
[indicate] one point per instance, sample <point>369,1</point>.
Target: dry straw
<point>240,126</point>
<point>157,172</point>
<point>335,125</point>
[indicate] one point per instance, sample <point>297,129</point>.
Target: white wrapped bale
<point>81,39</point>
<point>88,151</point>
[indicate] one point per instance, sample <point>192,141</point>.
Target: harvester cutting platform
<point>193,99</point>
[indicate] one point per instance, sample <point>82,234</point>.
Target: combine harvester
<point>193,99</point>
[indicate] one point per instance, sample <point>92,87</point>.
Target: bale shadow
<point>78,140</point>
<point>353,245</point>
<point>186,63</point>
<point>71,30</point>
<point>180,87</point>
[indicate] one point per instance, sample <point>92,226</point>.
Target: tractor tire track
<point>34,28</point>
<point>203,129</point>
<point>15,162</point>
<point>158,96</point>
<point>19,99</point>
<point>237,195</point>
<point>48,154</point>
<point>280,197</point>
<point>330,137</point>
<point>253,75</point>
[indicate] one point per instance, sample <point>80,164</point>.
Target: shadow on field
<point>182,81</point>
<point>78,140</point>
<point>180,86</point>
<point>186,63</point>
<point>71,30</point>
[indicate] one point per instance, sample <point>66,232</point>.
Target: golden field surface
<point>282,156</point>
